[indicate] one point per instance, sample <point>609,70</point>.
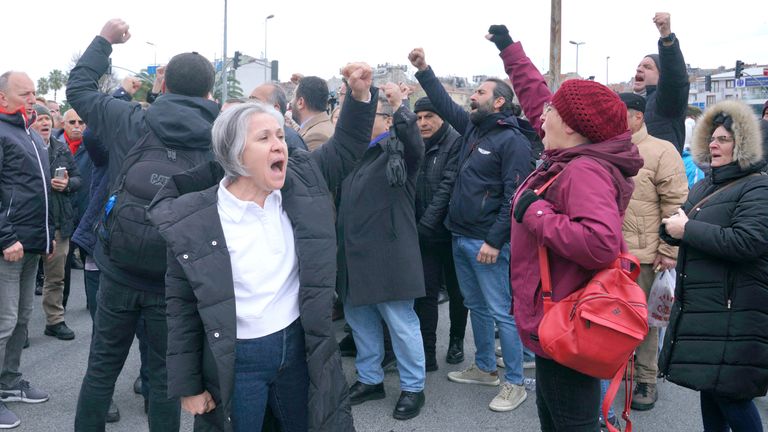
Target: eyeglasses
<point>722,139</point>
<point>383,114</point>
<point>74,122</point>
<point>547,108</point>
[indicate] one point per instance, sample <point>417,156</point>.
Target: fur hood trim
<point>747,149</point>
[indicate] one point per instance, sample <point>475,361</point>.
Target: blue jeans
<point>604,384</point>
<point>271,370</point>
<point>118,310</point>
<point>486,292</point>
<point>720,414</point>
<point>405,331</point>
<point>566,400</point>
<point>17,293</point>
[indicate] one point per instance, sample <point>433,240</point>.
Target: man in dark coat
<point>433,191</point>
<point>26,232</point>
<point>663,79</point>
<point>495,157</point>
<point>380,270</point>
<point>181,118</point>
<point>63,185</point>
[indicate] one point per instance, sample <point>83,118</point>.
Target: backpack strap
<point>628,371</point>
<point>546,278</point>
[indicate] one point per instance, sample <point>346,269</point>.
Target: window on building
<point>730,83</point>
<point>711,100</point>
<point>715,86</point>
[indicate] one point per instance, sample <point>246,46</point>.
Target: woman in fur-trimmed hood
<point>717,339</point>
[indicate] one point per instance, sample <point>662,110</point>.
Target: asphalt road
<point>59,366</point>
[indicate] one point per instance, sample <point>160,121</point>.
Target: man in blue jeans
<point>495,157</point>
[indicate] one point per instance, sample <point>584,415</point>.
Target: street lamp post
<point>155,48</point>
<point>577,53</point>
<point>606,69</point>
<point>224,59</point>
<point>269,17</point>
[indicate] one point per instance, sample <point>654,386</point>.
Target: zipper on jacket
<point>45,194</point>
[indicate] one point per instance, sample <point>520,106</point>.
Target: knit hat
<point>633,101</point>
<point>591,109</point>
<point>424,104</point>
<point>43,110</point>
<point>655,58</point>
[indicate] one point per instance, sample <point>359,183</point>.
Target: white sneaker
<point>500,362</point>
<point>510,397</point>
<point>474,375</point>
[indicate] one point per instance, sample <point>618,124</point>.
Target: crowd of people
<point>228,239</point>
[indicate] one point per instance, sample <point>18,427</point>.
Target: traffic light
<point>739,72</point>
<point>236,60</point>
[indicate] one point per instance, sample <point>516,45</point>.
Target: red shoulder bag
<point>596,329</point>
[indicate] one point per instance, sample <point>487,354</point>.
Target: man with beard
<point>663,80</point>
<point>495,157</point>
<point>308,109</point>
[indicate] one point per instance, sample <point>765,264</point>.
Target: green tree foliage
<point>42,86</point>
<point>56,81</point>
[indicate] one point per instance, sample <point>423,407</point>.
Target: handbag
<point>596,329</point>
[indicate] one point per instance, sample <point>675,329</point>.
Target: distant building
<point>752,88</point>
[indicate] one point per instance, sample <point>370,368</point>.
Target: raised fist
<point>416,56</point>
<point>115,31</point>
<point>499,35</point>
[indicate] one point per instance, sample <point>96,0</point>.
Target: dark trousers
<point>271,370</point>
<point>721,414</point>
<point>437,261</point>
<point>118,311</point>
<point>567,400</point>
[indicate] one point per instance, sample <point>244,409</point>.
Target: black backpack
<point>131,241</point>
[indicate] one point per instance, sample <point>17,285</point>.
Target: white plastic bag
<point>661,298</point>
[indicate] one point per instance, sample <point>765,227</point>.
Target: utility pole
<point>554,45</point>
<point>224,60</point>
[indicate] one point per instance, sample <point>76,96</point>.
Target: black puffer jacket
<point>435,182</point>
<point>61,202</point>
<point>202,327</point>
<point>717,339</point>
<point>25,187</point>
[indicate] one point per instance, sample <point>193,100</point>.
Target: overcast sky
<point>317,37</point>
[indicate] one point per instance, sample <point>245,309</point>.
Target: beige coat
<point>317,131</point>
<point>660,189</point>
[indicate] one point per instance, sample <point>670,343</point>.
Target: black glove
<point>527,198</point>
<point>500,36</point>
<point>396,170</point>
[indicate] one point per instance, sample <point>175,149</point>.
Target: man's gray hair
<point>4,80</point>
<point>230,132</point>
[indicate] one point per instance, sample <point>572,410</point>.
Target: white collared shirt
<point>265,269</point>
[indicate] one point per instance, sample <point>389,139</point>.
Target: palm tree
<point>42,86</point>
<point>55,81</point>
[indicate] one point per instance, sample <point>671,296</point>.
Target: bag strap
<point>613,388</point>
<point>546,278</point>
<point>727,186</point>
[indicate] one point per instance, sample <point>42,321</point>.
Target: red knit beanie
<point>591,109</point>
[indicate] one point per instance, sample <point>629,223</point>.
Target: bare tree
<point>107,82</point>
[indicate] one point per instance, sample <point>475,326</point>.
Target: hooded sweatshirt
<point>579,221</point>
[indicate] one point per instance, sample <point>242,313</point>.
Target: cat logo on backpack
<point>130,239</point>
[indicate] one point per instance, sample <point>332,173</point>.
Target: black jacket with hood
<point>178,121</point>
<point>25,186</point>
<point>62,207</point>
<point>717,338</point>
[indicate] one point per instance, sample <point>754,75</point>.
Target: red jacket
<point>579,221</point>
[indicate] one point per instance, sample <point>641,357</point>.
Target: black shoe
<point>409,405</point>
<point>59,331</point>
<point>113,414</point>
<point>389,361</point>
<point>38,290</point>
<point>26,343</point>
<point>146,406</point>
<point>455,351</point>
<point>360,392</point>
<point>347,346</point>
<point>612,420</point>
<point>137,385</point>
<point>77,264</point>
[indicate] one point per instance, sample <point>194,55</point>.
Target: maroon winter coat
<point>579,221</point>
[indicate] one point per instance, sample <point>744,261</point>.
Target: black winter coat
<point>25,187</point>
<point>61,202</point>
<point>202,326</point>
<point>666,104</point>
<point>717,339</point>
<point>494,159</point>
<point>435,182</point>
<point>379,255</point>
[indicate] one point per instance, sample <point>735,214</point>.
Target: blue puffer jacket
<point>25,186</point>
